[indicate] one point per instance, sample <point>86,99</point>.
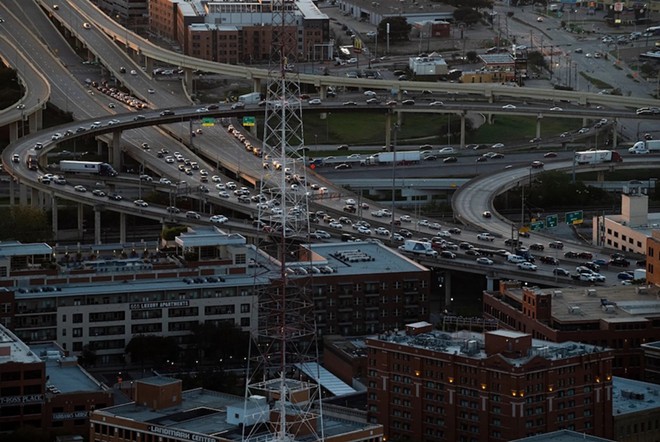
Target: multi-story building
<point>240,32</point>
<point>619,317</point>
<point>44,389</point>
<point>635,410</point>
<point>214,277</point>
<point>162,411</point>
<point>426,385</point>
<point>653,258</point>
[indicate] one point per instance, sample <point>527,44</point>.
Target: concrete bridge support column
<point>53,204</point>
<point>256,86</point>
<point>122,228</point>
<point>188,80</point>
<point>323,92</point>
<point>36,121</point>
<point>80,222</point>
<point>149,63</point>
<point>97,226</point>
<point>615,134</point>
<point>13,131</point>
<point>600,176</point>
<point>490,283</point>
<point>114,154</point>
<point>538,126</point>
<point>489,118</point>
<point>12,190</point>
<point>462,131</point>
<point>99,148</point>
<point>35,198</point>
<point>22,194</point>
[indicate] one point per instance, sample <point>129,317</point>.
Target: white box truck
<point>597,157</point>
<point>406,156</point>
<point>251,98</point>
<point>418,248</point>
<point>645,146</point>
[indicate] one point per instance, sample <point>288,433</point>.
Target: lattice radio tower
<point>280,404</point>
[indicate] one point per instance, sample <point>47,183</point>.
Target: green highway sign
<point>537,225</point>
<point>249,121</point>
<point>551,221</point>
<point>208,122</point>
<point>576,217</point>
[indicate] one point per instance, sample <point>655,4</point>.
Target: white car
<point>369,94</point>
<point>321,234</point>
<point>436,103</point>
<point>218,219</point>
<point>397,237</point>
<point>381,231</point>
<point>336,225</point>
<point>508,106</point>
<point>527,266</point>
<point>364,230</point>
<point>485,237</point>
<point>435,226</point>
<point>447,150</point>
<point>485,261</point>
<point>165,181</point>
<point>350,202</point>
<point>315,101</point>
<point>80,188</point>
<point>423,222</point>
<point>444,234</point>
<point>141,203</point>
<point>405,218</point>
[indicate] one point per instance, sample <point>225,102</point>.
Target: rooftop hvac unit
<point>591,292</point>
<point>608,308</point>
<point>557,294</point>
<point>574,310</point>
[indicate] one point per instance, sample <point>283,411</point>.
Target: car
<point>556,109</point>
<point>487,214</point>
<point>508,106</point>
<point>408,102</point>
<point>539,19</point>
<point>446,151</point>
<point>336,225</point>
<point>113,122</point>
<point>223,194</point>
<point>80,188</point>
<point>315,101</point>
<point>141,203</point>
<point>571,255</point>
<point>450,160</point>
<point>349,103</point>
<point>166,112</point>
<point>513,242</point>
<point>98,192</point>
<point>364,230</point>
<point>549,260</point>
<point>625,276</point>
<point>436,103</point>
<point>192,215</point>
<point>556,245</point>
<point>497,146</point>
<point>561,272</point>
<point>619,262</point>
<point>16,158</point>
<point>133,72</point>
<point>342,166</point>
<point>537,164</point>
<point>454,230</point>
<point>481,159</point>
<point>115,197</point>
<point>584,130</point>
<point>549,155</point>
<point>321,234</point>
<point>139,117</point>
<point>354,156</point>
<point>86,25</point>
<point>535,140</point>
<point>537,246</point>
<point>381,231</point>
<point>56,7</point>
<point>485,237</point>
<point>527,266</point>
<point>369,93</point>
<point>585,255</point>
<point>373,101</point>
<point>485,261</point>
<point>447,254</point>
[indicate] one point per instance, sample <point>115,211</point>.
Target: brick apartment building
<point>621,318</point>
<point>426,385</point>
<point>240,32</point>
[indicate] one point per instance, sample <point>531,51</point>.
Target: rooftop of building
<point>205,412</point>
<point>609,304</point>
<point>63,373</point>
<point>562,436</point>
<point>362,258</point>
<point>631,396</point>
<point>472,345</point>
<point>396,7</point>
<point>652,223</point>
<point>13,349</point>
<point>16,248</point>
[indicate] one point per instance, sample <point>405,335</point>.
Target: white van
<point>515,259</point>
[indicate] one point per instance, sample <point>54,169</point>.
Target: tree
<point>87,357</point>
<point>471,56</point>
<point>468,16</point>
<point>152,349</point>
<point>536,58</point>
<point>214,342</point>
<point>25,224</point>
<point>399,28</point>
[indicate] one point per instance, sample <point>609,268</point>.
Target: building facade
<point>424,385</point>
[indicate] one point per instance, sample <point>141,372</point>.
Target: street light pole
<point>395,129</point>
<point>21,107</point>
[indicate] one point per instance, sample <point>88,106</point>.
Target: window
<point>77,318</point>
<point>245,308</point>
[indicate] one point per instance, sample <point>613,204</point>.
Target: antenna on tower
<point>280,403</point>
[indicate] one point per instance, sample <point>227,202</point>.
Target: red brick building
<point>620,317</point>
<point>425,385</point>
